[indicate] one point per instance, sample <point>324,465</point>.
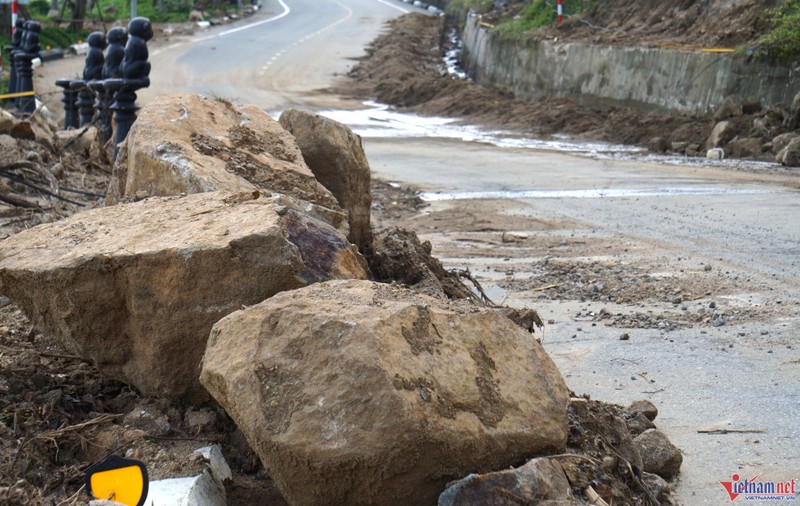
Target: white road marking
<point>305,39</point>
<point>393,6</point>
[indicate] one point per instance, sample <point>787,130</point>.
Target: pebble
<point>624,337</point>
<point>707,267</point>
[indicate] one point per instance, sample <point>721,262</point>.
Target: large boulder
<point>135,288</point>
<point>540,481</point>
<point>336,157</point>
<point>790,155</point>
<point>723,133</point>
<point>727,109</point>
<point>356,392</point>
<point>191,144</point>
<point>745,147</point>
<point>783,140</point>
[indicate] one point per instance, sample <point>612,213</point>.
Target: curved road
<point>283,56</point>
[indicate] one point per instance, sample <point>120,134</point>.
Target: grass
<point>479,6</point>
<point>538,13</point>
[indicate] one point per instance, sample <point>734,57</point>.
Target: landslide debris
<point>403,68</point>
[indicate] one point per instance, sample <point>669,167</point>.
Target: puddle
<point>587,194</point>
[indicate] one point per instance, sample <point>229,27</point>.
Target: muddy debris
<point>404,68</point>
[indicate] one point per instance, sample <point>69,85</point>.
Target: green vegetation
<point>476,5</point>
<point>783,39</point>
<point>538,13</point>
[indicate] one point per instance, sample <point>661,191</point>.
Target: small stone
<point>677,300</point>
<point>659,455</point>
<point>712,305</point>
<point>624,337</point>
<point>647,408</point>
<point>639,423</point>
<point>707,267</point>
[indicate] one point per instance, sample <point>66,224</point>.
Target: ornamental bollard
<point>16,45</point>
<point>70,107</point>
<point>135,75</point>
<point>24,61</point>
<point>117,37</point>
<point>92,70</point>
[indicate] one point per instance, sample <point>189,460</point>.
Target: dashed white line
<point>305,39</point>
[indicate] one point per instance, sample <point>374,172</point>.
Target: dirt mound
<point>404,68</point>
<point>653,23</point>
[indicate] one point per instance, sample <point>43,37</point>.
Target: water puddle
<point>381,121</point>
<point>588,194</point>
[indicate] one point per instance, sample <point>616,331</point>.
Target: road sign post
<point>560,12</point>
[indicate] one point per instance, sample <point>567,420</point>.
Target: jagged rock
<point>638,423</point>
<point>783,140</point>
<point>790,155</point>
<point>7,122</point>
<point>793,118</point>
<point>745,147</point>
<point>722,134</point>
<point>191,144</point>
<point>336,157</point>
<point>537,481</point>
<point>659,455</point>
<point>135,288</point>
<point>727,109</point>
<point>356,392</point>
<point>659,488</point>
<point>647,408</point>
<point>679,146</point>
<point>658,145</point>
<point>77,143</point>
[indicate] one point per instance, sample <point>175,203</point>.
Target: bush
<point>538,13</point>
<point>782,41</point>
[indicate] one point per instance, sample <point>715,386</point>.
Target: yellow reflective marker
<point>122,480</point>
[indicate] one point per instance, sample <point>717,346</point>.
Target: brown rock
<point>722,134</point>
<point>783,140</point>
<point>539,481</point>
<point>355,392</point>
<point>22,130</point>
<point>336,157</point>
<point>75,142</point>
<point>135,288</point>
<point>645,407</point>
<point>746,147</point>
<point>7,122</point>
<point>790,155</point>
<point>638,423</point>
<point>192,144</point>
<point>659,455</point>
<point>751,106</point>
<point>727,109</point>
<point>658,145</point>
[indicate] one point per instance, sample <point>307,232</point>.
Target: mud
<point>404,68</point>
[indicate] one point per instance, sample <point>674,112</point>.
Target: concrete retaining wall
<point>649,79</point>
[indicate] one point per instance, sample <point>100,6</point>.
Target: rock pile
<point>224,267</point>
<point>746,130</point>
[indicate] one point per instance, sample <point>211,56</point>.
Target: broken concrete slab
<point>188,143</point>
<point>336,157</point>
<point>135,288</point>
<point>356,392</point>
<point>205,489</point>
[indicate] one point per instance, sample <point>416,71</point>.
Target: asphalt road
<point>747,225</point>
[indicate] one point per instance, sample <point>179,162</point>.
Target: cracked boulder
<point>135,288</point>
<point>356,392</point>
<point>189,143</point>
<point>336,157</point>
